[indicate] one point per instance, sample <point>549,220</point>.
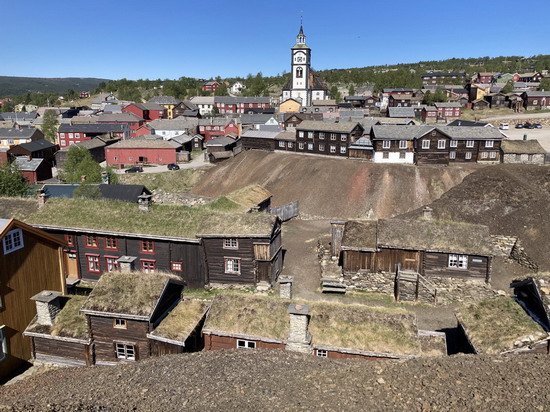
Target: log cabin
<point>322,329</point>
<point>30,261</point>
<point>201,245</point>
<point>327,138</point>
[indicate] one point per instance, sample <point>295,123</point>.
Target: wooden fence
<point>286,212</point>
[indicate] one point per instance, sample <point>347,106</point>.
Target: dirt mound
<point>278,380</point>
<point>330,188</point>
<point>510,199</point>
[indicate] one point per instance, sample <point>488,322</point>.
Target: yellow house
<point>168,102</point>
<point>14,136</point>
<point>290,105</point>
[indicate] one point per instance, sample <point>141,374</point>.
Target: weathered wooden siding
<point>105,336</point>
<point>258,143</point>
<point>162,348</point>
<point>433,155</point>
<point>436,264</point>
<point>354,261</point>
<point>214,342</point>
<point>386,260</point>
<point>360,154</point>
<point>68,353</point>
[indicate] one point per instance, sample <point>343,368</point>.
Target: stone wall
<point>382,282</point>
<point>523,159</point>
<point>519,255</point>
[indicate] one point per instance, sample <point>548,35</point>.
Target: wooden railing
<point>417,279</point>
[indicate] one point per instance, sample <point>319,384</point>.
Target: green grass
<point>172,181</point>
<point>223,204</point>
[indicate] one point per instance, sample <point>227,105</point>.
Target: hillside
<point>252,380</point>
<point>11,86</point>
<point>333,188</point>
<point>510,199</point>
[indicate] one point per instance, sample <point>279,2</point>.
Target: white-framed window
<point>321,353</point>
<point>493,155</point>
<point>321,135</point>
<point>93,263</point>
<point>13,241</point>
<point>290,145</point>
<point>489,143</point>
<point>535,102</point>
<point>246,344</point>
<point>468,155</point>
<point>386,144</point>
<point>469,143</point>
<point>125,351</point>
<point>281,144</point>
<point>119,323</point>
<point>300,134</point>
<point>402,144</point>
<point>321,147</point>
<point>3,344</point>
<point>176,266</point>
<point>441,144</point>
<point>453,143</point>
<point>452,154</point>
<point>111,263</point>
<point>332,148</point>
<point>310,146</point>
<point>425,144</point>
<point>458,261</point>
<point>301,146</point>
<point>342,149</point>
<point>310,135</point>
<point>484,155</point>
<point>343,137</point>
<point>333,136</point>
<point>231,243</point>
<point>232,266</point>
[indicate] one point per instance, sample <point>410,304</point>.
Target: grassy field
<point>172,182</point>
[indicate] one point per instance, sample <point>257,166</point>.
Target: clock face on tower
<point>299,58</point>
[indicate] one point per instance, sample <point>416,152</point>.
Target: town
<point>347,222</point>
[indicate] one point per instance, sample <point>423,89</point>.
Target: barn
<point>142,150</point>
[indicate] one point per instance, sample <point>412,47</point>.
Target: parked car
<point>528,125</point>
<point>537,125</point>
<point>519,126</point>
<point>504,126</point>
<point>173,166</point>
<point>134,169</point>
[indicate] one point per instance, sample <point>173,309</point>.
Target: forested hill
<point>12,86</point>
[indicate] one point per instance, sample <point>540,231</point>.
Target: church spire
<point>301,37</point>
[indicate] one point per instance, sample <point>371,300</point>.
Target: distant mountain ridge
<point>13,85</point>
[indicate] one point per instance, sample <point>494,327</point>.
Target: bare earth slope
<point>330,188</point>
<point>278,380</point>
<point>510,199</point>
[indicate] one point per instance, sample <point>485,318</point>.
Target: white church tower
<point>304,85</point>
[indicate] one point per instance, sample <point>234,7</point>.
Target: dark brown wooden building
<point>327,138</point>
<point>37,149</point>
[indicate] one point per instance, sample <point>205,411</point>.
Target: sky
<point>152,39</point>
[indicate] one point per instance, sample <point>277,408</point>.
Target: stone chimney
<point>144,202</point>
<point>47,306</point>
<point>337,234</point>
<point>127,264</point>
<point>427,213</point>
<point>299,339</point>
<point>105,178</point>
<point>285,287</point>
<point>42,197</point>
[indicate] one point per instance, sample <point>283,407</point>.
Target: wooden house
<point>290,105</point>
<point>480,104</point>
<point>222,147</point>
<point>59,332</point>
<point>448,110</point>
<point>522,151</point>
<point>286,141</point>
<point>259,139</point>
<point>142,150</point>
<point>146,111</point>
<point>362,149</point>
<point>531,77</point>
<point>400,100</point>
<point>536,100</point>
<point>198,142</point>
<point>327,138</point>
<point>251,198</point>
<point>96,148</point>
<point>497,100</point>
<point>167,102</point>
<point>30,261</point>
<point>18,135</point>
<point>501,326</point>
<point>123,308</point>
<point>33,170</point>
<point>395,143</point>
<point>294,119</point>
<point>69,134</point>
<point>199,244</point>
<point>429,114</point>
<point>37,149</point>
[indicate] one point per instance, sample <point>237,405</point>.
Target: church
<point>304,85</point>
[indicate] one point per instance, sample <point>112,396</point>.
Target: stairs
<point>410,285</point>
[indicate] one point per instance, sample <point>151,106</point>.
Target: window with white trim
<point>111,263</point>
<point>246,344</point>
<point>343,137</point>
<point>386,144</point>
<point>333,136</point>
<point>119,323</point>
<point>452,155</point>
<point>321,147</point>
<point>281,144</point>
<point>402,144</point>
<point>232,266</point>
<point>468,155</point>
<point>441,144</point>
<point>125,351</point>
<point>343,149</point>
<point>13,241</point>
<point>310,146</point>
<point>332,148</point>
<point>493,155</point>
<point>489,143</point>
<point>321,353</point>
<point>310,135</point>
<point>176,266</point>
<point>290,145</point>
<point>321,135</point>
<point>148,265</point>
<point>425,144</point>
<point>93,263</point>
<point>453,143</point>
<point>458,261</point>
<point>3,344</point>
<point>469,143</point>
<point>231,243</point>
<point>301,146</point>
<point>484,155</point>
<point>300,134</point>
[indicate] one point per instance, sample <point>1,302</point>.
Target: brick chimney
<point>285,287</point>
<point>337,228</point>
<point>144,202</point>
<point>42,198</point>
<point>47,306</point>
<point>427,213</point>
<point>299,339</point>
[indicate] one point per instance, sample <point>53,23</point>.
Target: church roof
<point>315,82</point>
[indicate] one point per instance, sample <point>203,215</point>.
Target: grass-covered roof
<point>360,235</point>
<point>496,325</point>
<point>249,196</point>
<point>161,220</point>
<point>182,320</point>
<point>17,207</point>
<point>135,293</point>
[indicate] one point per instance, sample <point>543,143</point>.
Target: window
<point>91,241</point>
<point>321,147</point>
<point>452,155</point>
<point>441,144</point>
<point>385,155</point>
<point>70,240</point>
<point>230,243</point>
<point>535,102</point>
<point>290,145</point>
<point>321,135</point>
<point>453,143</point>
<point>299,72</point>
<point>433,133</point>
<point>119,323</point>
<point>233,266</point>
<point>176,266</point>
<point>401,155</point>
<point>321,353</point>
<point>333,136</point>
<point>246,344</point>
<point>310,146</point>
<point>484,155</point>
<point>402,144</point>
<point>125,351</point>
<point>301,146</point>
<point>529,157</point>
<point>343,137</point>
<point>425,144</point>
<point>111,263</point>
<point>148,265</point>
<point>3,344</point>
<point>13,241</point>
<point>489,143</point>
<point>310,135</point>
<point>386,144</point>
<point>468,155</point>
<point>282,144</point>
<point>300,134</point>
<point>147,246</point>
<point>332,148</point>
<point>493,155</point>
<point>111,243</point>
<point>469,143</point>
<point>93,263</point>
<point>458,261</point>
<point>342,149</point>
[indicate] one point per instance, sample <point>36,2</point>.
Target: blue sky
<point>168,39</point>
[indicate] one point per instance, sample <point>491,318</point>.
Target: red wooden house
<point>68,134</point>
<point>218,126</point>
<point>146,111</point>
<point>134,122</point>
<point>33,170</point>
<point>143,150</point>
<point>210,86</point>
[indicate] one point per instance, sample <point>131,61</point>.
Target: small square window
<point>452,155</point>
<point>111,263</point>
<point>91,241</point>
<point>177,266</point>
<point>119,323</point>
<point>343,137</point>
<point>148,265</point>
<point>147,246</point>
<point>321,147</point>
<point>343,149</point>
<point>246,344</point>
<point>484,155</point>
<point>125,351</point>
<point>301,146</point>
<point>233,266</point>
<point>70,240</point>
<point>321,135</point>
<point>321,353</point>
<point>385,155</point>
<point>93,263</point>
<point>281,144</point>
<point>13,241</point>
<point>232,243</point>
<point>332,149</point>
<point>489,143</point>
<point>401,155</point>
<point>310,146</point>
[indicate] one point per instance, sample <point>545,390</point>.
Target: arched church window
<point>299,72</point>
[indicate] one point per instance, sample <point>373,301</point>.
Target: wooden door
<point>71,265</point>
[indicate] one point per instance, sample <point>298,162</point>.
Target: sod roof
<point>522,147</point>
<point>182,320</point>
<point>172,221</point>
<point>496,325</point>
<point>359,235</point>
<point>134,294</point>
<point>359,327</point>
<point>17,207</point>
<point>249,197</point>
<point>254,316</point>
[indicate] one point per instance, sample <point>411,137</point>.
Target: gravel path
<point>278,380</point>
